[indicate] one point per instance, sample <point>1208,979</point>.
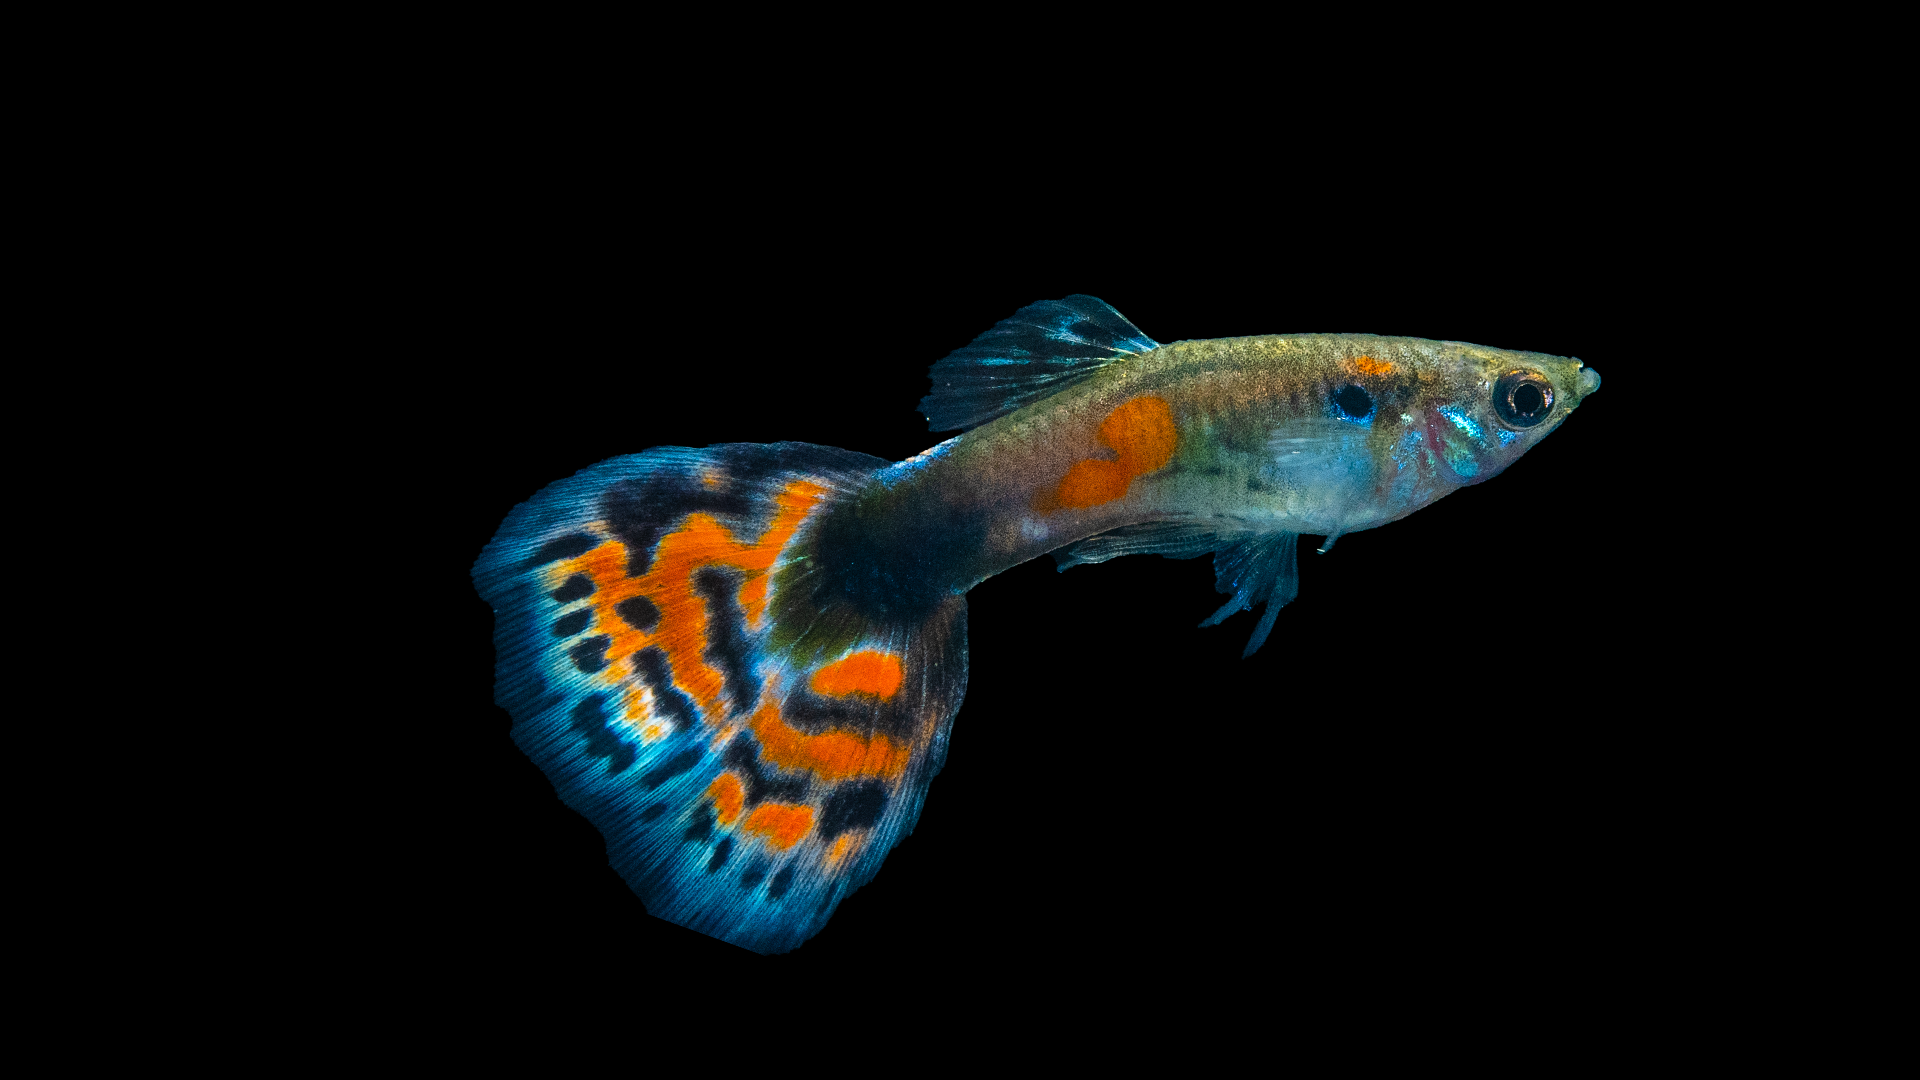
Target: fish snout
<point>1589,381</point>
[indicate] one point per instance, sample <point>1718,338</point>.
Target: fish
<point>742,663</point>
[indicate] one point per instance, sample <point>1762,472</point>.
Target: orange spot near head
<point>727,796</point>
<point>860,673</point>
<point>832,756</point>
<point>781,824</point>
<point>1142,435</point>
<point>1367,365</point>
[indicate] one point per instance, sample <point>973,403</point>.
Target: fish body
<point>742,663</point>
<point>1236,434</point>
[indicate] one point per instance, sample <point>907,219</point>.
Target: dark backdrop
<point>1444,754</point>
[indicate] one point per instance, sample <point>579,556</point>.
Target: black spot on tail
<point>638,612</point>
<point>590,719</point>
<point>859,713</point>
<point>591,655</point>
<point>566,547</point>
<point>826,904</point>
<point>753,875</point>
<point>743,757</point>
<point>653,813</point>
<point>702,828</point>
<point>668,700</point>
<point>720,854</point>
<point>571,624</point>
<point>782,881</point>
<point>578,587</point>
<point>727,648</point>
<point>852,806</point>
<point>670,768</point>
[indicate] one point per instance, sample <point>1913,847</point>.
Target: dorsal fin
<point>1042,349</point>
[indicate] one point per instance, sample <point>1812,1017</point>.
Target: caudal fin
<point>747,772</point>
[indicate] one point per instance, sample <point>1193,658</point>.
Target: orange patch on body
<point>1367,365</point>
<point>1142,436</point>
<point>728,797</point>
<point>832,756</point>
<point>781,824</point>
<point>682,628</point>
<point>860,673</point>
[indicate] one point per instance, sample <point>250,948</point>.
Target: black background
<point>1452,751</point>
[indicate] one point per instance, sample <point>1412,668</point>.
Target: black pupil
<point>1355,401</point>
<point>1527,399</point>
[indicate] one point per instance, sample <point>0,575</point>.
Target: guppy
<point>742,663</point>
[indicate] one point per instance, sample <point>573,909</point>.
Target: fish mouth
<point>1589,381</point>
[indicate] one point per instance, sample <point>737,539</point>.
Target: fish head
<point>1479,409</point>
<point>1421,420</point>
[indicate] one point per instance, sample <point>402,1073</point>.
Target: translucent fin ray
<point>1262,569</point>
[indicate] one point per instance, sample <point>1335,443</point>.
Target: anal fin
<point>1262,569</point>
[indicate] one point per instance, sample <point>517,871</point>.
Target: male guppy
<point>742,663</point>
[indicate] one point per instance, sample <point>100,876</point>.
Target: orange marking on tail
<point>607,566</point>
<point>781,824</point>
<point>1367,365</point>
<point>866,672</point>
<point>835,755</point>
<point>1142,436</point>
<point>841,848</point>
<point>753,599</point>
<point>728,797</point>
<point>682,630</point>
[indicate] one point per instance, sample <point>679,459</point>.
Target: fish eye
<point>1354,401</point>
<point>1522,399</point>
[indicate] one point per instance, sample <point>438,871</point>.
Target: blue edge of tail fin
<point>663,660</point>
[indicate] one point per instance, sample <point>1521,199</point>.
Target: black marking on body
<point>743,756</point>
<point>754,874</point>
<point>670,768</point>
<point>577,587</point>
<point>591,655</point>
<point>669,700</point>
<point>852,806</point>
<point>653,813</point>
<point>888,557</point>
<point>638,612</point>
<point>781,882</point>
<point>570,546</point>
<point>727,647</point>
<point>590,719</point>
<point>721,852</point>
<point>572,623</point>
